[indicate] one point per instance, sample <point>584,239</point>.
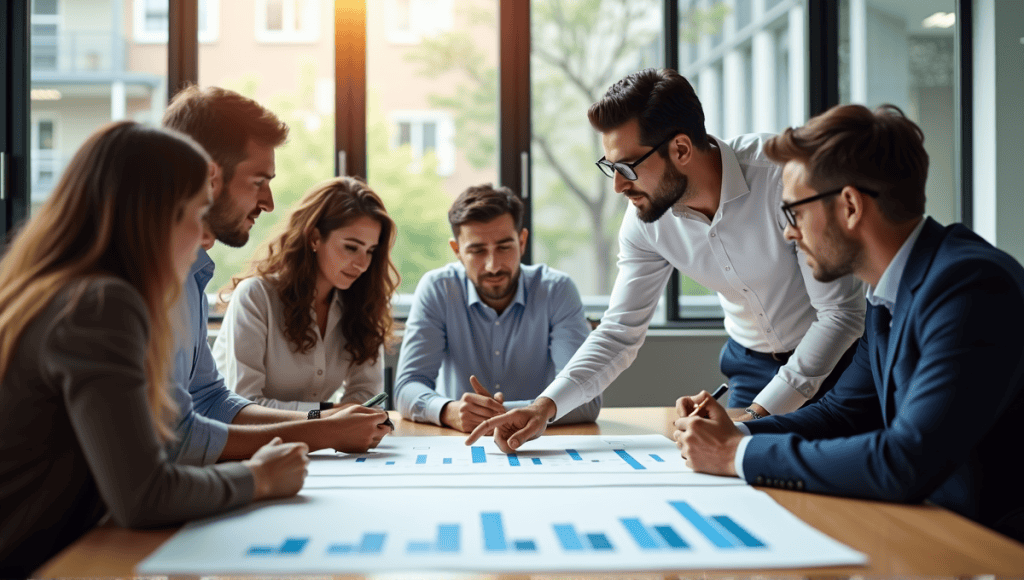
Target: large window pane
<point>578,49</point>
<point>295,81</point>
<point>746,61</point>
<point>432,116</point>
<point>902,52</point>
<point>87,69</point>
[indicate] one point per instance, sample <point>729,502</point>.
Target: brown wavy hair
<point>291,268</point>
<point>112,213</point>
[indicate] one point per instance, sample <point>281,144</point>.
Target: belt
<point>780,357</point>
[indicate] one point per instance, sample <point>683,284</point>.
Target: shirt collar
<point>202,269</point>
<point>733,183</point>
<point>885,292</point>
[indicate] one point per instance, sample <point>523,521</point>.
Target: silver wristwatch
<point>753,413</point>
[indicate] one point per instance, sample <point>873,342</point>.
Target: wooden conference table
<point>900,540</point>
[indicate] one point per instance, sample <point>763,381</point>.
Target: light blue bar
<point>447,460</point>
<point>599,542</point>
<point>494,532</point>
<point>261,551</point>
<point>419,547</point>
<point>740,532</point>
<point>574,454</point>
<point>421,459</point>
<point>372,543</point>
<point>525,546</point>
<point>536,460</point>
<point>390,463</point>
<point>567,536</point>
<point>361,460</point>
<point>294,545</point>
<point>340,549</point>
<point>656,458</point>
<point>629,459</point>
<point>702,525</point>
<point>513,460</point>
<point>640,534</point>
<point>448,538</point>
<point>478,455</point>
<point>671,537</point>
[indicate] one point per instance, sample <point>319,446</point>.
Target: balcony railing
<point>75,52</point>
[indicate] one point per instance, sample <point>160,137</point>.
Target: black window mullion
<point>514,105</point>
<point>823,55</point>
<point>182,45</point>
<point>15,103</point>
<point>964,99</point>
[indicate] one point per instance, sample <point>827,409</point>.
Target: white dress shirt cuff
<point>779,397</point>
<point>741,450</point>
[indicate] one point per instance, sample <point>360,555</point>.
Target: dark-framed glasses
<point>787,208</point>
<point>628,170</point>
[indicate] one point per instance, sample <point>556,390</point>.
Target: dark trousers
<point>750,371</point>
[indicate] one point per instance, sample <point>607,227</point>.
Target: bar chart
<point>557,454</point>
<point>494,529</point>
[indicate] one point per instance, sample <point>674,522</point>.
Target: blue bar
<point>671,537</point>
<point>390,463</point>
<point>513,460</point>
<point>656,458</point>
<point>294,545</point>
<point>536,460</point>
<point>741,534</point>
<point>567,536</point>
<point>361,460</point>
<point>419,547</point>
<point>447,460</point>
<point>478,455</point>
<point>421,459</point>
<point>372,543</point>
<point>702,525</point>
<point>525,546</point>
<point>640,534</point>
<point>261,550</point>
<point>339,549</point>
<point>448,537</point>
<point>575,456</point>
<point>599,542</point>
<point>629,459</point>
<point>494,532</point>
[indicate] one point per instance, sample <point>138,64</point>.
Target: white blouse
<point>260,363</point>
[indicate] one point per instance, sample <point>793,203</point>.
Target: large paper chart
<point>497,530</point>
<point>554,454</point>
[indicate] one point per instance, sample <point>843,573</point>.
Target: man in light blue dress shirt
<point>214,423</point>
<point>489,320</point>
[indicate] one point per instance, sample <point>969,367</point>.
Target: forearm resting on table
<point>244,440</point>
<point>259,415</point>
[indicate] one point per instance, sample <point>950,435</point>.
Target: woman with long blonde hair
<point>314,318</point>
<point>86,335</point>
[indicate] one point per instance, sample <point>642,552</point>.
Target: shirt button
<point>712,234</point>
<point>745,290</point>
<point>497,352</point>
<point>727,268</point>
<point>497,323</point>
<point>769,331</point>
<point>496,387</point>
<point>319,371</point>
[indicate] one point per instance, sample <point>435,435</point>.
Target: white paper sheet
<point>502,530</point>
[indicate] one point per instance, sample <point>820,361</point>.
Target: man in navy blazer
<point>934,398</point>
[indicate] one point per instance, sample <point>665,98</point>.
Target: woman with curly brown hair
<point>314,316</point>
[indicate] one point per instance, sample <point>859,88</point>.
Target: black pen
<point>718,393</point>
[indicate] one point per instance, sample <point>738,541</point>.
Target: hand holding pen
<point>689,407</point>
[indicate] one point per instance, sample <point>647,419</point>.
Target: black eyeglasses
<point>628,170</point>
<point>787,208</point>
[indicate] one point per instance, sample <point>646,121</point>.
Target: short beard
<point>225,224</point>
<point>845,256</point>
<point>671,189</point>
<point>513,285</point>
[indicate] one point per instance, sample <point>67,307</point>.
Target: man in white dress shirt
<point>709,208</point>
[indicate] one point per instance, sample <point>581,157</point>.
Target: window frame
<point>211,9</point>
<point>303,36</point>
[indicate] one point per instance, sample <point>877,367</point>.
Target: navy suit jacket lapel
<point>914,274</point>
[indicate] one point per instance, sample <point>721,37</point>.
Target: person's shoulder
<point>963,249</point>
<point>542,273</point>
<point>749,146</point>
<point>453,272</point>
<point>100,301</point>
